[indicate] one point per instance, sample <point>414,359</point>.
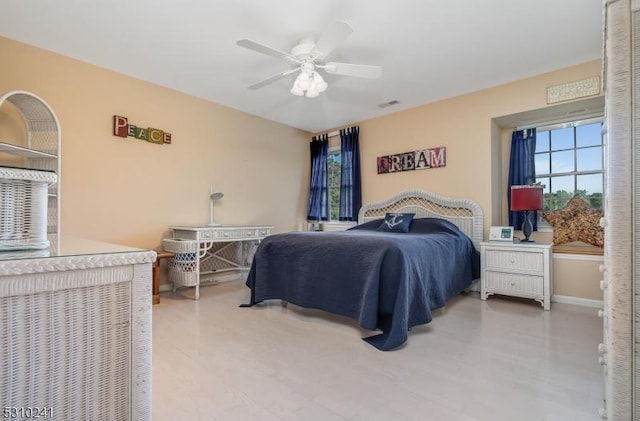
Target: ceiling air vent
<point>388,104</point>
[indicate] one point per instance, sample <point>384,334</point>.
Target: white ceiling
<point>429,50</point>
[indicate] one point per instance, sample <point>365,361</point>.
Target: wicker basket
<point>182,268</point>
<point>23,208</point>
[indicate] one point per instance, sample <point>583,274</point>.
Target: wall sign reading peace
<point>122,128</point>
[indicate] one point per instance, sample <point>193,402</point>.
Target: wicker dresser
<point>619,350</point>
<point>75,332</point>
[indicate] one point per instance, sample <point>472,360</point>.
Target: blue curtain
<point>318,193</point>
<point>522,171</point>
<point>350,184</point>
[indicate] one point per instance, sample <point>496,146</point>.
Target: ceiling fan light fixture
<point>320,84</point>
<point>312,93</point>
<point>303,84</point>
<point>307,56</point>
<point>309,84</point>
<point>295,90</point>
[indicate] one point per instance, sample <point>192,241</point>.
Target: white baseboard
<point>585,302</point>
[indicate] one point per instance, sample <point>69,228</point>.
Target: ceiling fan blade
<point>255,46</point>
<point>337,32</point>
<point>357,70</point>
<point>273,78</point>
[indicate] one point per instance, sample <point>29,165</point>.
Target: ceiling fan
<point>308,56</point>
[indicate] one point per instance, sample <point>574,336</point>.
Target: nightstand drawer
<point>511,284</point>
<point>532,262</point>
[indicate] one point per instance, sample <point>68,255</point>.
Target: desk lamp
<point>213,196</point>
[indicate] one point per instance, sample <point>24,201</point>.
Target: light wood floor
<point>477,360</point>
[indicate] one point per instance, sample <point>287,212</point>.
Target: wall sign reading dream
<point>408,161</point>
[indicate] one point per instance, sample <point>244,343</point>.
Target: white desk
<point>202,250</point>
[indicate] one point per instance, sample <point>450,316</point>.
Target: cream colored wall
<point>577,278</point>
<point>129,191</point>
<point>475,156</point>
<point>464,125</point>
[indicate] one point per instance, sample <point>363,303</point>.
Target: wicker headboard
<point>464,213</point>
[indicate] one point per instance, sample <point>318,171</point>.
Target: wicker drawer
<point>217,234</point>
<point>220,233</point>
<point>24,210</point>
<point>242,233</point>
<point>532,262</point>
<point>510,284</point>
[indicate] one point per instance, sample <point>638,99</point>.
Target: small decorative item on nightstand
<point>517,269</point>
<point>501,234</point>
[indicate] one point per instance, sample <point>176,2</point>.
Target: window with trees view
<point>333,183</point>
<point>569,160</point>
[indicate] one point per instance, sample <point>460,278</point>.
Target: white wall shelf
<point>40,149</point>
<point>24,152</point>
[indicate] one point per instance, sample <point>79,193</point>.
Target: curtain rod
<point>330,134</point>
<point>335,133</point>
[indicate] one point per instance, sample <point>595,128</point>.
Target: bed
<point>386,281</point>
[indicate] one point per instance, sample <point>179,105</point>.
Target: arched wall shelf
<point>39,151</point>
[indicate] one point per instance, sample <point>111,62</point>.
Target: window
<point>333,182</point>
<point>569,160</point>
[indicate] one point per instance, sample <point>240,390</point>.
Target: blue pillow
<point>396,222</point>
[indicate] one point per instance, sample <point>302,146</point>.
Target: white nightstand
<point>517,269</point>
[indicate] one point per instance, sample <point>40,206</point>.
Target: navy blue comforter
<point>386,281</point>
